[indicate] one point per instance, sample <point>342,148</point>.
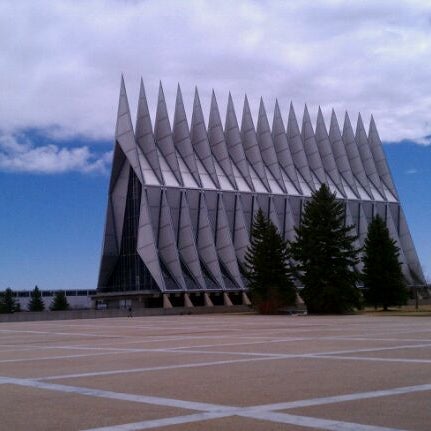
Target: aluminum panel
<point>310,147</point>
<point>205,244</point>
<point>186,243</point>
<point>266,145</point>
<point>281,147</point>
<point>401,257</point>
<point>167,244</point>
<point>251,146</point>
<point>163,136</point>
<point>224,245</point>
<point>146,245</point>
<point>181,136</point>
<point>234,143</point>
<point>366,156</point>
<point>409,250</point>
<point>326,154</point>
<point>297,150</point>
<point>217,142</point>
<point>240,233</point>
<point>144,134</point>
<point>110,249</point>
<point>119,198</point>
<point>353,155</point>
<point>199,138</point>
<point>380,159</point>
<point>124,134</point>
<point>340,154</point>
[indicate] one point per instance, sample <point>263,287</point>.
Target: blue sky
<point>61,64</point>
<point>52,224</point>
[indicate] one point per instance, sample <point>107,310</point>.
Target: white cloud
<point>411,171</point>
<point>426,140</point>
<point>20,154</point>
<point>61,61</point>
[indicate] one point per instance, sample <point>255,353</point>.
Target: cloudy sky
<point>61,63</point>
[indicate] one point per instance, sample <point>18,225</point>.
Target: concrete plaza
<point>212,372</point>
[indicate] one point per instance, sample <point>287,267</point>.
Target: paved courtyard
<point>217,372</point>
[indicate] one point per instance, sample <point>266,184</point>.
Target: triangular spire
<point>124,134</point>
<point>186,242</point>
<point>240,233</point>
<point>181,137</point>
<point>352,152</point>
<point>310,147</point>
<point>146,244</point>
<point>401,257</point>
<point>297,150</point>
<point>110,249</point>
<point>224,244</point>
<point>118,199</point>
<point>166,240</point>
<point>379,158</point>
<point>282,149</point>
<point>340,154</point>
<point>163,136</point>
<point>366,156</point>
<point>217,141</point>
<point>326,154</point>
<point>205,244</point>
<point>409,249</point>
<point>118,159</point>
<point>266,145</point>
<point>251,147</point>
<point>144,134</point>
<point>234,143</point>
<point>199,138</point>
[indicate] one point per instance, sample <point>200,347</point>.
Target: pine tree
<point>36,301</point>
<point>326,257</point>
<point>59,302</point>
<point>382,273</point>
<point>267,266</point>
<point>8,303</point>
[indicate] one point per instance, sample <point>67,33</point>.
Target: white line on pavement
<point>156,368</point>
<point>211,411</point>
<point>309,422</point>
<point>376,359</point>
<point>341,398</point>
<point>159,401</point>
<point>156,423</point>
<point>48,358</point>
<point>251,358</point>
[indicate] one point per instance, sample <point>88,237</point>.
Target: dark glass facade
<point>130,273</point>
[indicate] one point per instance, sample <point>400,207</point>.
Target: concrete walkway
<point>213,372</point>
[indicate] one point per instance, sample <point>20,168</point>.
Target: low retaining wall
<point>29,316</point>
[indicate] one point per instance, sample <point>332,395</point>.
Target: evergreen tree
<point>267,266</point>
<point>36,301</point>
<point>325,255</point>
<point>59,302</point>
<point>8,303</point>
<point>382,273</point>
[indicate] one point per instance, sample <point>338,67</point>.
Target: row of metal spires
<point>338,154</point>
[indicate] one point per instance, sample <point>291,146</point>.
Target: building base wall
<point>100,314</point>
